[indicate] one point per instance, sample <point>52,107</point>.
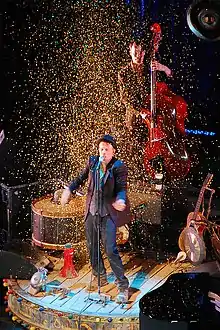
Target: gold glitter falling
<point>72,97</point>
<point>68,93</point>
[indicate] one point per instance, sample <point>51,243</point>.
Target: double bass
<point>165,123</point>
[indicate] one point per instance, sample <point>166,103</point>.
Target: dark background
<point>32,32</point>
<point>53,91</point>
<point>59,84</point>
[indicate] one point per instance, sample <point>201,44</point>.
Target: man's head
<point>107,147</point>
<point>137,52</point>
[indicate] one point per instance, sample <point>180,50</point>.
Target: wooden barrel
<point>54,225</point>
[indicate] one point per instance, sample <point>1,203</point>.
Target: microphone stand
<point>100,298</point>
<point>98,195</point>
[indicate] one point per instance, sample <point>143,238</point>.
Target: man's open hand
<point>65,196</point>
<point>119,205</point>
<point>160,67</point>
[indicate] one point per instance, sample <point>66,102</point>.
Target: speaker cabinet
<point>15,266</point>
<point>180,303</point>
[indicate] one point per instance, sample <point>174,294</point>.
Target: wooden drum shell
<point>51,231</point>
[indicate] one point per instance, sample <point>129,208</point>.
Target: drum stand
<point>98,297</point>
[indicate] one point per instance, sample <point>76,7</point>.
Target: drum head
<point>216,243</point>
<point>45,206</point>
<point>193,245</point>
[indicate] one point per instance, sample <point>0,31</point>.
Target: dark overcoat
<point>114,187</point>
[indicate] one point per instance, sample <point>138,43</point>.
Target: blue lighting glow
<point>199,132</point>
<point>142,8</point>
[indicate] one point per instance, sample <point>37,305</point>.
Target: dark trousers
<point>108,237</point>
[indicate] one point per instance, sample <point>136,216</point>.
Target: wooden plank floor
<point>143,275</point>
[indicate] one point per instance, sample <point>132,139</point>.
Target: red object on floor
<point>68,269</point>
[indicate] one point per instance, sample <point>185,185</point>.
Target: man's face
<point>137,53</point>
<point>107,151</point>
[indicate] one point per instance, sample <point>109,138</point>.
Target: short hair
<point>108,139</point>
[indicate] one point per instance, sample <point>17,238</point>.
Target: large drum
<point>146,210</point>
<point>54,225</point>
<point>145,229</point>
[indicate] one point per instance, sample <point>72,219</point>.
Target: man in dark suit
<point>110,212</point>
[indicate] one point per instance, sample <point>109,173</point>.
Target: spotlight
<point>203,18</point>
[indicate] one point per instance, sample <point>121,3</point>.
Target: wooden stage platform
<point>57,308</point>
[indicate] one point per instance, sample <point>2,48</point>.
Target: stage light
<point>203,18</point>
